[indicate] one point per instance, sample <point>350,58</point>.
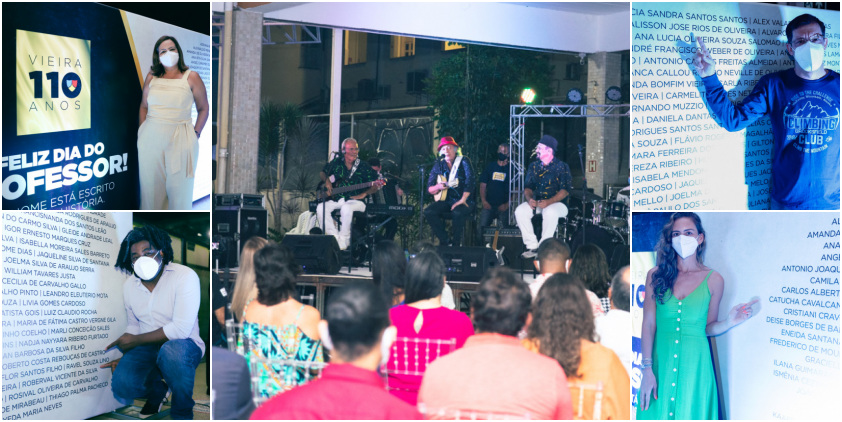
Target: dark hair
<point>374,162</point>
<point>501,302</point>
<point>157,68</point>
<point>423,245</point>
<point>667,264</point>
<point>356,316</point>
<point>553,249</point>
<point>275,270</point>
<point>561,318</point>
<point>424,277</point>
<point>798,22</point>
<point>388,268</point>
<point>621,291</point>
<point>156,237</point>
<point>591,267</point>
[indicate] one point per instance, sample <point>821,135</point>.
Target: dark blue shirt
<point>464,173</point>
<point>805,125</point>
<point>496,179</point>
<point>546,181</point>
<point>337,168</point>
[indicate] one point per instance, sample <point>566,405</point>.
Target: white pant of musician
<point>346,215</point>
<point>551,214</point>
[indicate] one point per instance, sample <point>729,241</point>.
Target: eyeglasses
<point>815,39</point>
<point>150,253</point>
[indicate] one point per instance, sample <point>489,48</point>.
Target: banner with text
<point>784,362</point>
<point>70,122</point>
<point>62,305</point>
<point>681,158</point>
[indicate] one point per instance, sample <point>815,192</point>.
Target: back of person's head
<point>621,289</point>
<point>591,267</point>
<point>356,316</point>
<point>158,239</point>
<point>423,245</point>
<point>388,268</point>
<point>424,277</point>
<point>501,303</point>
<point>275,270</point>
<point>245,289</point>
<point>561,317</point>
<point>799,21</point>
<point>553,253</point>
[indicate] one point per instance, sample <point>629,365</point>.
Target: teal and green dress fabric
<point>682,361</point>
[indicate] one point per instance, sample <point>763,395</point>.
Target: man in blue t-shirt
<point>494,190</point>
<point>803,105</point>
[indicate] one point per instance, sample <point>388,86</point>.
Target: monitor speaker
<point>317,254</point>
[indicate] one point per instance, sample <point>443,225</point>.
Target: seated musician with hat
<point>451,181</point>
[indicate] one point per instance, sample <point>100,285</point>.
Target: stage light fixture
<point>528,95</point>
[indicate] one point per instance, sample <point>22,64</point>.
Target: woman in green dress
<point>680,311</point>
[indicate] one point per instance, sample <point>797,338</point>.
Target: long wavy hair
<point>591,267</point>
<point>246,289</point>
<point>664,276</point>
<point>561,319</point>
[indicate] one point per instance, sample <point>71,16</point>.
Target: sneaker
<point>530,253</point>
<point>153,406</point>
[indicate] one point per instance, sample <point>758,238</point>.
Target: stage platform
<point>314,289</point>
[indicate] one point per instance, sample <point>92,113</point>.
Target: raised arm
<point>732,117</point>
<point>648,383</point>
<point>736,316</point>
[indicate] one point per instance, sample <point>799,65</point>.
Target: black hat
<point>549,141</point>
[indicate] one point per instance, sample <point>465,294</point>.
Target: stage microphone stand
<point>420,200</point>
<point>584,189</point>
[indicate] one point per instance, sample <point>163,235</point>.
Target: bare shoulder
<point>309,321</point>
<point>194,77</point>
<point>716,281</point>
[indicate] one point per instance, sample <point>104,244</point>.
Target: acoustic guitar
<point>442,194</point>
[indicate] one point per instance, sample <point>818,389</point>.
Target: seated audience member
<point>231,386</point>
<point>591,268</point>
<point>553,256</point>
<point>388,269</point>
<point>423,318</point>
<point>356,329</point>
<point>612,329</point>
<point>447,299</point>
<point>161,346</point>
<point>245,290</point>
<point>493,375</point>
<point>562,328</point>
<point>276,325</point>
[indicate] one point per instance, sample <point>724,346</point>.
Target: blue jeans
<point>140,371</point>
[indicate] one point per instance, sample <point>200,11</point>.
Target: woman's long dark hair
<point>664,276</point>
<point>388,269</point>
<point>561,318</point>
<point>157,68</point>
<point>591,267</point>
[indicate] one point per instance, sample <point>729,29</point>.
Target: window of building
<point>402,46</point>
<point>452,45</point>
<point>355,47</point>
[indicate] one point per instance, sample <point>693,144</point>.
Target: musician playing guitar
<point>451,181</point>
<point>345,170</point>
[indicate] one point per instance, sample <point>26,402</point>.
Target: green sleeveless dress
<point>682,362</point>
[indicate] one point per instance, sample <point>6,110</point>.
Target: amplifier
<point>232,227</point>
<point>239,200</point>
<point>467,263</point>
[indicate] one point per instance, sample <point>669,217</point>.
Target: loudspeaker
<point>317,254</point>
<point>232,227</point>
<point>467,263</point>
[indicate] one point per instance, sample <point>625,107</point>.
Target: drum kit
<point>605,223</point>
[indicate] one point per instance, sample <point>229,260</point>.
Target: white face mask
<point>146,268</point>
<point>810,56</point>
<point>168,58</point>
<point>685,245</point>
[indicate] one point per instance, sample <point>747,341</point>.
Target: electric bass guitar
<point>322,195</point>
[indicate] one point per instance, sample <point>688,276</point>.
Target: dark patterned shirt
<point>337,168</point>
<point>465,174</point>
<point>546,181</point>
